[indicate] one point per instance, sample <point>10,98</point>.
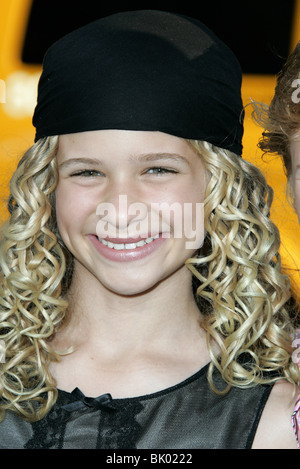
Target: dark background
<point>257,31</point>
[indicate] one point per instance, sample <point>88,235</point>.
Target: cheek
<point>185,214</point>
<point>63,216</point>
<point>70,209</point>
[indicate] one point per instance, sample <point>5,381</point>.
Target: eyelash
<point>157,170</point>
<point>87,173</point>
<point>161,170</point>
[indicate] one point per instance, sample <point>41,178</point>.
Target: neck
<point>132,345</point>
<point>101,317</point>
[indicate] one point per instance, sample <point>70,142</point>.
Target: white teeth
<point>140,243</point>
<point>132,245</point>
<point>128,246</point>
<point>119,246</point>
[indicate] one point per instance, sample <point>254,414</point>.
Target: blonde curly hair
<point>240,275</point>
<point>239,286</point>
<point>33,278</point>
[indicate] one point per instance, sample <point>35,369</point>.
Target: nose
<point>121,211</point>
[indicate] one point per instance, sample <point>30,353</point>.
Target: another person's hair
<point>281,120</point>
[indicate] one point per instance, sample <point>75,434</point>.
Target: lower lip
<point>126,255</point>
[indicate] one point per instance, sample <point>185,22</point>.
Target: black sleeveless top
<point>185,416</point>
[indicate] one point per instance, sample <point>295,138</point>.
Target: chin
<point>131,286</point>
<point>135,290</point>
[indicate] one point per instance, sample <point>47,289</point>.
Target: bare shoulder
<point>275,430</point>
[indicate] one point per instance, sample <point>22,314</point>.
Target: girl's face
<point>130,206</point>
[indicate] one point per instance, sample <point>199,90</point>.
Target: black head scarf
<point>142,70</point>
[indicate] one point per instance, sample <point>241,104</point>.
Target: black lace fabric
<point>185,416</point>
<point>95,422</point>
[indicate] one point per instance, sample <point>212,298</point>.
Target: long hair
<point>241,290</point>
<point>239,286</point>
<point>32,277</point>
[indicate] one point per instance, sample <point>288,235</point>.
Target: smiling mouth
<point>123,245</point>
<point>127,249</point>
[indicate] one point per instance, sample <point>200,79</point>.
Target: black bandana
<point>142,70</point>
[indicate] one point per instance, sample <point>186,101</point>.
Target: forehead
<point>121,142</point>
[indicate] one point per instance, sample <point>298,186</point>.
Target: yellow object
<point>18,86</point>
<point>17,92</point>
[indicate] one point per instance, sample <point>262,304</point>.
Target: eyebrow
<point>159,156</point>
<point>85,161</point>
<point>144,157</point>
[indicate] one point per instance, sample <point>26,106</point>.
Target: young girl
<point>130,317</point>
<point>281,136</point>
